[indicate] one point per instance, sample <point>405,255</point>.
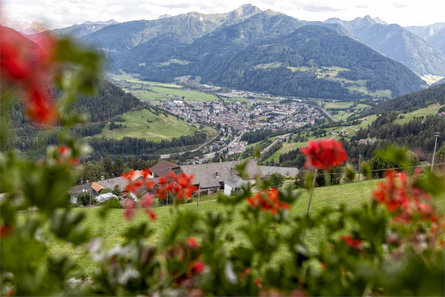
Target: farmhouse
<point>209,178</point>
<point>95,188</point>
<point>213,177</point>
<point>163,167</point>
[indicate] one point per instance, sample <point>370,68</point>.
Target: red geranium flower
<point>133,186</point>
<point>192,243</point>
<point>180,185</point>
<point>356,244</point>
<point>324,154</point>
<point>5,230</point>
<point>402,199</point>
<point>145,173</point>
<point>130,208</point>
<point>267,201</point>
<point>197,267</point>
<point>147,203</point>
<point>29,65</point>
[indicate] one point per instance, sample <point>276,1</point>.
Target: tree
<point>118,167</point>
<point>276,180</point>
<point>84,199</point>
<point>107,164</point>
<point>117,191</point>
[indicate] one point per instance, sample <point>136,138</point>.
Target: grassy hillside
<point>111,228</point>
<point>146,124</point>
<point>421,112</point>
<point>154,92</point>
<point>411,102</point>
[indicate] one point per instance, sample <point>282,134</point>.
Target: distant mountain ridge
<point>397,43</point>
<point>207,47</point>
<point>80,30</point>
<point>187,27</point>
<point>434,34</point>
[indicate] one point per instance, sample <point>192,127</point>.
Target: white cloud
<point>61,13</point>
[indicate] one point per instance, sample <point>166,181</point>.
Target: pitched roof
<point>112,182</point>
<point>96,187</point>
<point>211,174</point>
<point>284,171</point>
<point>163,168</point>
<point>77,190</point>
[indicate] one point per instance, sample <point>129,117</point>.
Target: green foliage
<point>85,199</point>
<point>113,203</point>
<point>349,173</point>
<point>117,191</point>
<point>365,170</point>
<point>276,180</point>
<point>106,190</point>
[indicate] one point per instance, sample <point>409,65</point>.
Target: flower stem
<point>310,199</point>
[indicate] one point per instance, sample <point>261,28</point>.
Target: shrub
<point>113,203</point>
<point>106,190</point>
<point>85,199</point>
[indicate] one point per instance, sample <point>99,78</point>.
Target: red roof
<point>96,187</point>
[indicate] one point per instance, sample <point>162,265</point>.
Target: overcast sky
<point>62,13</point>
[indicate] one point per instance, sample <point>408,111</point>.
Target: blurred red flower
<point>5,230</point>
<point>324,154</point>
<point>29,65</point>
<point>197,267</point>
<point>267,201</point>
<point>130,208</point>
<point>180,185</point>
<point>147,204</point>
<point>405,202</point>
<point>192,243</point>
<point>356,244</point>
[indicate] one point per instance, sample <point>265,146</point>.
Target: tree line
<point>140,147</point>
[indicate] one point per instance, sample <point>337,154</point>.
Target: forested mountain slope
<point>314,62</point>
<point>410,102</point>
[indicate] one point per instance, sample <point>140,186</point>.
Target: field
<point>431,79</point>
<point>114,224</point>
<point>287,147</point>
<point>145,124</point>
<point>343,109</point>
<point>422,112</point>
<point>154,92</point>
<point>332,74</point>
<point>351,130</point>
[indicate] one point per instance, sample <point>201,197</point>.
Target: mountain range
<point>397,43</point>
<point>259,50</point>
<point>433,34</point>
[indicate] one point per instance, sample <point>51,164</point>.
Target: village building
<point>163,167</point>
<point>209,177</point>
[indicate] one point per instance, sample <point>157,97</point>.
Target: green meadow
<point>155,92</point>
<point>113,225</point>
<point>422,112</point>
<point>146,124</point>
